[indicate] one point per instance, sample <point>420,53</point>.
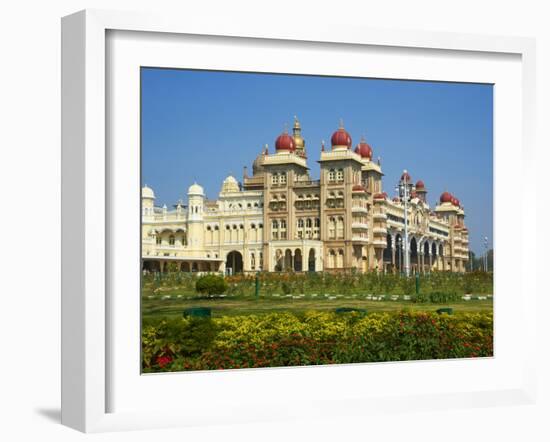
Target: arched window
<point>317,222</point>
<point>308,223</point>
<point>252,226</point>
<point>241,226</point>
<point>172,240</point>
<point>159,240</point>
<point>275,224</point>
<point>216,228</point>
<point>340,175</point>
<point>331,175</point>
<point>260,226</point>
<point>340,227</point>
<point>332,228</point>
<point>283,224</point>
<point>234,227</point>
<point>282,178</point>
<point>300,223</point>
<point>275,178</point>
<point>227,227</point>
<point>252,261</point>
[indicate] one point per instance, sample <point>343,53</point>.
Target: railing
<point>359,209</point>
<point>307,183</point>
<point>359,225</point>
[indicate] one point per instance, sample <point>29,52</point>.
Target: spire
<point>322,145</point>
<point>341,126</point>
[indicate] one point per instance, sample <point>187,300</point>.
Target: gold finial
<point>296,122</point>
<point>322,145</point>
<point>266,149</point>
<point>363,139</point>
<point>341,123</point>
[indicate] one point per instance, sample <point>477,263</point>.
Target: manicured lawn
<point>231,306</point>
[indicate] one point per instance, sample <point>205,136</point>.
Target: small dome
<point>406,176</point>
<point>195,189</point>
<point>455,202</point>
<point>147,192</point>
<point>380,196</point>
<point>358,188</point>
<point>285,142</point>
<point>420,185</point>
<point>395,199</point>
<point>445,197</point>
<point>341,138</point>
<point>230,184</point>
<point>364,149</point>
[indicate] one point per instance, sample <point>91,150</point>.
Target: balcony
<point>379,242</point>
<point>379,215</point>
<point>359,226</point>
<point>359,209</point>
<point>360,239</point>
<point>380,230</point>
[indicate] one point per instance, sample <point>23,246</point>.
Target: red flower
<point>162,361</point>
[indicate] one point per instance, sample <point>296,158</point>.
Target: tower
<point>195,222</point>
<point>299,142</point>
<point>147,203</point>
<point>343,227</point>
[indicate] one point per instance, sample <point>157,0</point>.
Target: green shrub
<point>211,284</point>
<point>286,288</point>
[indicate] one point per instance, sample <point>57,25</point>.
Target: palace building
<point>280,219</point>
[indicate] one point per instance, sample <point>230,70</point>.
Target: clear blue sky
<point>201,125</point>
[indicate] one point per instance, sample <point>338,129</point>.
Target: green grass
<point>156,307</point>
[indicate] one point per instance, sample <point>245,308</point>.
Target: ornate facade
<point>280,219</point>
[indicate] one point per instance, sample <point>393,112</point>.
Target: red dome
<point>454,201</point>
<point>380,196</point>
<point>407,176</point>
<point>341,138</point>
<point>420,185</point>
<point>364,150</point>
<point>446,197</point>
<point>358,188</point>
<point>395,199</point>
<point>285,142</point>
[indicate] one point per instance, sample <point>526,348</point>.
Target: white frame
<point>84,202</point>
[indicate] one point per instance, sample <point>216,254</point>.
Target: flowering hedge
<point>285,339</point>
<point>447,283</point>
